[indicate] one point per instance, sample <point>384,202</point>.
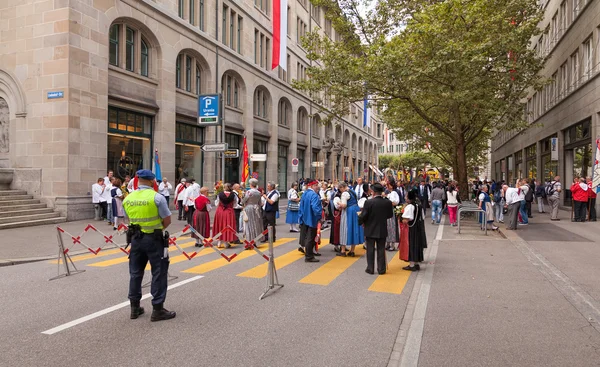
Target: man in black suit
<point>424,193</point>
<point>361,189</point>
<point>374,216</point>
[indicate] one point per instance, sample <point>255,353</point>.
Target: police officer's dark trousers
<point>144,249</point>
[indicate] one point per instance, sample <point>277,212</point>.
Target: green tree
<point>460,68</point>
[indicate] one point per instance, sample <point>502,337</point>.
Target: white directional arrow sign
<point>217,147</point>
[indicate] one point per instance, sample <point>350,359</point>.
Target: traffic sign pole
<point>222,121</point>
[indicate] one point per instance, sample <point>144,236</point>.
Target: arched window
<point>144,59</point>
<point>261,103</point>
<point>230,88</point>
<point>188,73</point>
<point>129,49</point>
<point>302,119</point>
<point>284,112</point>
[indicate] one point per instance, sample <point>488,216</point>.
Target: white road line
<point>111,309</point>
<point>408,342</point>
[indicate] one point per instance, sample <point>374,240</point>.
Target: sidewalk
<point>531,298</point>
<point>22,245</point>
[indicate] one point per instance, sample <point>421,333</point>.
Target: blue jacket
<point>310,208</point>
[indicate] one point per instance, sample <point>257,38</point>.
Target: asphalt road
<point>220,321</point>
<point>524,298</point>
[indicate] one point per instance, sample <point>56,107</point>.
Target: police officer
<point>148,214</point>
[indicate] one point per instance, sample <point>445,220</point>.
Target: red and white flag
<point>279,34</point>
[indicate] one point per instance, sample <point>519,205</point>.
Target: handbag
<point>244,216</point>
<point>293,206</point>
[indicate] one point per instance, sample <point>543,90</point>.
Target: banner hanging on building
<point>554,149</point>
<point>280,15</point>
<point>596,169</point>
<point>245,167</point>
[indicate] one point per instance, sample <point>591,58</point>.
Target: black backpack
<point>529,195</point>
<point>550,188</point>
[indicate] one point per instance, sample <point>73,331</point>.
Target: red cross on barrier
<point>173,241</point>
<point>108,239</point>
<point>76,240</point>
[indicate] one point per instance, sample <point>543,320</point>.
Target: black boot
<point>160,313</point>
<point>136,310</point>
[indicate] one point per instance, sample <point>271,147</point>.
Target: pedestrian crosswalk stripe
<point>124,259</point>
<point>215,264</point>
<point>394,280</point>
<point>280,262</point>
<point>332,269</point>
<point>90,256</point>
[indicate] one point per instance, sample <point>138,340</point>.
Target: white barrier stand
<point>65,258</point>
<point>272,279</point>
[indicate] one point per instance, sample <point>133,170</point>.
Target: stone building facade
<point>564,117</point>
<point>92,85</point>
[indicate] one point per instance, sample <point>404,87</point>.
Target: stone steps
<point>9,203</point>
<point>12,192</point>
<point>19,209</point>
<point>28,217</point>
<point>15,212</point>
<point>30,223</point>
<point>10,208</point>
<point>15,197</point>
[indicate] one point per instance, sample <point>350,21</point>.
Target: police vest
<point>141,210</point>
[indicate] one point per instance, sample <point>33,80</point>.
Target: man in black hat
<point>374,216</point>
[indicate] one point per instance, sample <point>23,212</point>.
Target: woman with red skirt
<point>201,221</point>
<point>225,216</point>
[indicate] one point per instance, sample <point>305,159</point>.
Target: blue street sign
<point>54,95</point>
<point>208,109</point>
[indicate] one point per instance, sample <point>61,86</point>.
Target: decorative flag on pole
<point>596,169</point>
<point>280,26</point>
<point>245,166</point>
<point>366,113</point>
<point>157,166</point>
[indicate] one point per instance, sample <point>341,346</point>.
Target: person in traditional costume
<point>413,217</point>
<point>485,204</point>
<point>117,203</point>
<point>225,216</point>
<point>201,222</point>
<point>252,213</point>
<point>336,215</point>
<point>392,223</point>
<point>351,233</point>
<point>292,215</point>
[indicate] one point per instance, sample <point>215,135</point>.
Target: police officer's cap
<point>145,174</point>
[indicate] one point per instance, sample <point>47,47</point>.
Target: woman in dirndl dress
<point>293,213</point>
<point>413,217</point>
<point>118,211</point>
<point>225,216</point>
<point>201,219</point>
<point>252,213</point>
<point>392,223</point>
<point>351,233</point>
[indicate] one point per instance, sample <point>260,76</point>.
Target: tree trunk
<point>461,152</point>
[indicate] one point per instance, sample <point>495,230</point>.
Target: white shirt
<point>359,190</point>
<point>452,200</point>
<point>345,198</point>
<point>394,198</point>
<point>106,193</point>
<point>409,212</point>
<point>190,194</point>
<point>336,203</point>
<point>106,181</point>
<point>179,195</point>
<point>119,192</point>
<point>165,189</point>
<point>130,186</point>
<point>97,194</point>
<point>275,197</point>
<point>292,194</point>
<point>512,196</point>
<point>235,199</point>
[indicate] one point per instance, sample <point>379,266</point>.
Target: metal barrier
<point>472,208</point>
<point>70,269</point>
